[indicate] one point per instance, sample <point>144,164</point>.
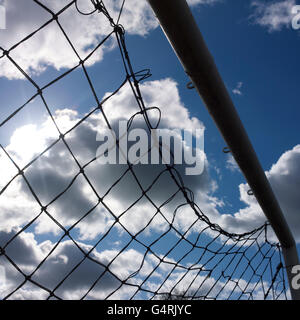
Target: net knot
<point>119,29</point>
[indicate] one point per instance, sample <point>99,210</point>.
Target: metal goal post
<point>181,29</point>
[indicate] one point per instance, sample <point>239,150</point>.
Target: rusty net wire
<point>198,261</point>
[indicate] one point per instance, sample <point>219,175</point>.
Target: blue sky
<point>257,53</point>
<point>266,62</point>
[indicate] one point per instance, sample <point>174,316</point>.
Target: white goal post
<point>182,31</point>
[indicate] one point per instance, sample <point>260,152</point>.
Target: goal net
<point>73,227</point>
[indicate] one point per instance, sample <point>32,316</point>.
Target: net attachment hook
<point>190,85</point>
<point>226,150</point>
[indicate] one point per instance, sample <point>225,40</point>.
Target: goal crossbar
<point>181,29</point>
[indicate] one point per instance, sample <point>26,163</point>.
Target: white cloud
<point>49,47</point>
<point>55,170</point>
<point>27,254</point>
<point>273,15</point>
<point>194,2</point>
<point>104,271</point>
<point>231,164</point>
<point>237,90</point>
<point>189,284</point>
<point>284,177</point>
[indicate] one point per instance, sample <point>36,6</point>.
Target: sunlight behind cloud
<point>30,140</point>
<point>27,141</point>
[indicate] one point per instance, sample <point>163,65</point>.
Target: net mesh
<point>175,263</point>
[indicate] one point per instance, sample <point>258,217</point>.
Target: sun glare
<point>27,141</point>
